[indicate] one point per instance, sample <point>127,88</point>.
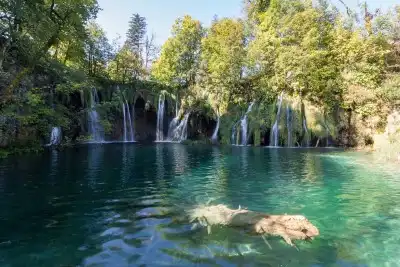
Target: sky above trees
<point>160,15</point>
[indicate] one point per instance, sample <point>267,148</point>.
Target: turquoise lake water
<point>124,205</point>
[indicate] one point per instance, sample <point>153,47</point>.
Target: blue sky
<point>161,14</point>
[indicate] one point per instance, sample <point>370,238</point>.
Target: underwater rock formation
<point>289,227</point>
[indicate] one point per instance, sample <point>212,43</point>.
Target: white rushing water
<point>328,133</point>
<point>160,118</point>
<point>177,131</point>
<point>244,125</point>
<point>172,126</point>
<point>306,135</point>
<point>214,136</point>
<point>176,107</point>
<point>55,137</point>
<point>233,137</point>
<point>124,115</point>
<point>274,137</point>
<point>128,124</point>
<point>95,128</point>
<point>243,128</point>
<point>289,121</point>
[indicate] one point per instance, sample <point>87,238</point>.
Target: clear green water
<point>122,205</point>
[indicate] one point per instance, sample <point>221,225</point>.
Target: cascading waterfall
<point>172,126</point>
<point>289,121</point>
<point>124,115</point>
<point>95,128</point>
<point>306,135</point>
<point>243,125</point>
<point>233,134</point>
<point>177,132</point>
<point>243,129</point>
<point>131,133</point>
<point>327,134</point>
<point>160,118</point>
<point>55,137</point>
<point>274,139</point>
<point>176,107</point>
<point>127,123</point>
<point>214,136</point>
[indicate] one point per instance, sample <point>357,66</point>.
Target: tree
<point>98,49</point>
<point>151,52</point>
<point>179,60</point>
<point>125,67</point>
<point>136,35</point>
<point>223,55</point>
<point>32,28</point>
<point>253,8</point>
<point>291,51</point>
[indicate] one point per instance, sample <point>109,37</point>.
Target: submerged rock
<point>289,227</point>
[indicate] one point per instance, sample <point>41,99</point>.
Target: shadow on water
<point>126,204</point>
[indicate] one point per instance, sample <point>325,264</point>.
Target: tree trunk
<point>286,226</point>
<point>66,53</point>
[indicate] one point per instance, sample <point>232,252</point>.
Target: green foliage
<point>254,8</point>
<point>223,54</point>
<point>136,33</point>
<point>390,89</point>
<point>179,59</point>
<point>98,50</point>
<point>125,67</point>
<point>52,55</point>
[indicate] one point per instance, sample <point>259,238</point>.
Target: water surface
<point>124,205</point>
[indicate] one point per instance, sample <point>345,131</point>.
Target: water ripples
<point>125,205</point>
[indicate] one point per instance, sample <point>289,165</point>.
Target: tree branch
<point>347,8</point>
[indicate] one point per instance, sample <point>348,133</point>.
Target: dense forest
<point>299,73</point>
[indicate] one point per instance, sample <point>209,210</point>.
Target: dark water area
<point>125,205</point>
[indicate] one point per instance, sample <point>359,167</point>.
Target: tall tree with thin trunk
<point>136,35</point>
<point>150,52</point>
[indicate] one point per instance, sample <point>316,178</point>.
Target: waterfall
<point>243,128</point>
<point>95,128</point>
<point>131,133</point>
<point>327,134</point>
<point>243,124</point>
<point>306,135</point>
<point>176,107</point>
<point>289,125</point>
<point>172,126</point>
<point>160,118</point>
<point>127,123</point>
<point>55,138</point>
<point>233,134</point>
<point>123,113</point>
<point>274,139</point>
<point>214,136</point>
<point>177,131</point>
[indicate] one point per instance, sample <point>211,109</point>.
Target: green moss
<point>4,153</point>
<point>107,126</point>
<point>257,137</point>
<point>228,121</point>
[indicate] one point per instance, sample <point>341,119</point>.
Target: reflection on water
<point>128,161</point>
<point>94,160</point>
<point>124,205</point>
<point>179,158</point>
